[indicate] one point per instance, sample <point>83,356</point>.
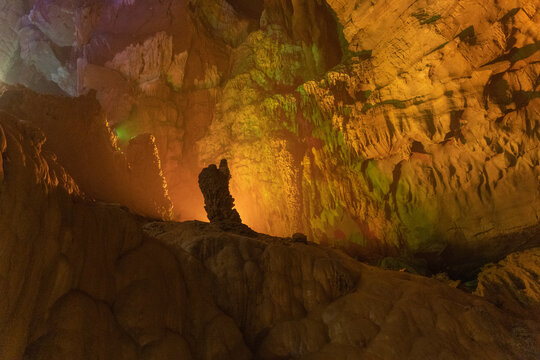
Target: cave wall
<point>85,280</point>
<point>424,137</point>
<point>382,126</point>
<point>82,280</point>
<point>81,139</point>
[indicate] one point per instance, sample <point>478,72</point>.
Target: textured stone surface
<point>385,127</point>
<point>85,280</point>
<point>408,144</point>
<point>82,281</point>
<point>218,202</point>
<point>513,283</point>
<point>308,302</point>
<point>79,135</point>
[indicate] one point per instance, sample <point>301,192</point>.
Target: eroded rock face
<point>86,280</point>
<point>424,138</point>
<point>80,137</point>
<point>385,127</point>
<point>82,279</point>
<point>513,283</point>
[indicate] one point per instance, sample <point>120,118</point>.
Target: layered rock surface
<point>513,283</point>
<point>80,137</point>
<point>394,127</point>
<point>86,280</point>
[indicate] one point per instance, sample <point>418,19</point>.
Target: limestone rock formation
<point>424,140</point>
<point>299,237</point>
<point>401,130</point>
<point>386,127</point>
<point>82,281</point>
<point>79,135</point>
<point>303,301</point>
<point>218,202</point>
<point>85,280</point>
<point>513,283</point>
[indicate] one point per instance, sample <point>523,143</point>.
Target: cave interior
<point>269,179</point>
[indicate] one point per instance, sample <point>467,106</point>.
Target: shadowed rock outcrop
<point>218,201</point>
<point>80,136</point>
<point>513,283</point>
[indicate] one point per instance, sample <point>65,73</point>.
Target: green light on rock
<point>124,133</point>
